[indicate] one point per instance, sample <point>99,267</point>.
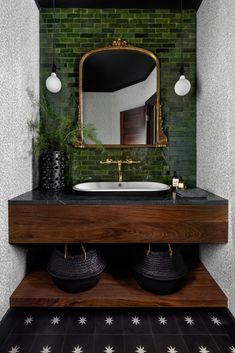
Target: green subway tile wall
<point>79,30</point>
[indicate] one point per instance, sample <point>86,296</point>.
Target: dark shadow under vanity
<point>69,217</point>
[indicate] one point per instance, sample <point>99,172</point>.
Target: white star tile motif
<point>162,320</point>
<point>77,349</point>
<point>232,349</point>
<point>202,349</point>
<point>109,349</point>
<point>28,320</point>
<point>15,349</point>
<point>215,320</point>
<point>82,320</point>
<point>46,349</point>
<point>109,320</point>
<point>55,320</point>
<point>135,320</point>
<point>171,349</point>
<point>140,350</point>
<point>189,320</point>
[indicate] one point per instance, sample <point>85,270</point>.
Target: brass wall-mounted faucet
<point>119,165</point>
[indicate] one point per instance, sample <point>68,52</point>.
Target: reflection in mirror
<point>119,92</point>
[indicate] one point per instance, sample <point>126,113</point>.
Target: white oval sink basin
<point>127,186</point>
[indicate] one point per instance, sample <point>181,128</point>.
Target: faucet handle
<point>130,161</point>
<point>107,161</point>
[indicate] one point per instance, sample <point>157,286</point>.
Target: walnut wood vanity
<point>70,217</point>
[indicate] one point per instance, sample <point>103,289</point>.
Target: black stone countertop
<point>71,197</point>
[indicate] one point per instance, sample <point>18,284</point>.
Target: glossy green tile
<point>80,30</point>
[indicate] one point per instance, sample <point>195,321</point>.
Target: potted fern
<point>55,134</point>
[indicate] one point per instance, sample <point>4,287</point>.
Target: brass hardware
<point>119,164</point>
<point>119,43</point>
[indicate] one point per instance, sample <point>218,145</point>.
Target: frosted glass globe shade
<point>182,86</point>
<point>53,83</point>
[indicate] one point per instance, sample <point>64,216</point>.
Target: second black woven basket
<point>159,271</point>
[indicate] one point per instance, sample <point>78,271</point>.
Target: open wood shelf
<point>199,290</point>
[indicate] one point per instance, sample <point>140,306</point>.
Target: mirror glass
<point>119,94</point>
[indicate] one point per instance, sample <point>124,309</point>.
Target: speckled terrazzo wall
<point>19,74</point>
<point>216,126</point>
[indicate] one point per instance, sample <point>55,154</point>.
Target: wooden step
<point>199,290</point>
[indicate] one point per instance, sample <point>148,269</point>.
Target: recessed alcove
<point>38,219</point>
<point>117,286</point>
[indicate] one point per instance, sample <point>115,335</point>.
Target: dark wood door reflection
<point>133,126</point>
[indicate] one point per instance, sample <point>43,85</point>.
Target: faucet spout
<point>119,171</point>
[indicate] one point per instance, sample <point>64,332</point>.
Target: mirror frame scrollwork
<point>161,139</point>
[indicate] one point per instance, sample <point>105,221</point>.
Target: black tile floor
<point>75,330</point>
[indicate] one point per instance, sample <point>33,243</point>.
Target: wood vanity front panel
<point>118,223</point>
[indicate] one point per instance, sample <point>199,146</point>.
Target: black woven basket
<point>159,271</point>
<point>76,273</point>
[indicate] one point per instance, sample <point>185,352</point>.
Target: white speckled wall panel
<point>19,73</point>
<point>216,126</point>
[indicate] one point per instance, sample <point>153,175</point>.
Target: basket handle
<point>149,249</point>
<point>84,251</point>
<point>66,250</point>
<point>169,249</point>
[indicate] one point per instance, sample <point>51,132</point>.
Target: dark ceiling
<point>109,71</point>
<point>143,4</point>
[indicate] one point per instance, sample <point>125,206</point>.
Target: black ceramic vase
<point>52,170</point>
<point>160,269</point>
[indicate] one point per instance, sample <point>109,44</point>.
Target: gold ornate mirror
<point>119,94</point>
